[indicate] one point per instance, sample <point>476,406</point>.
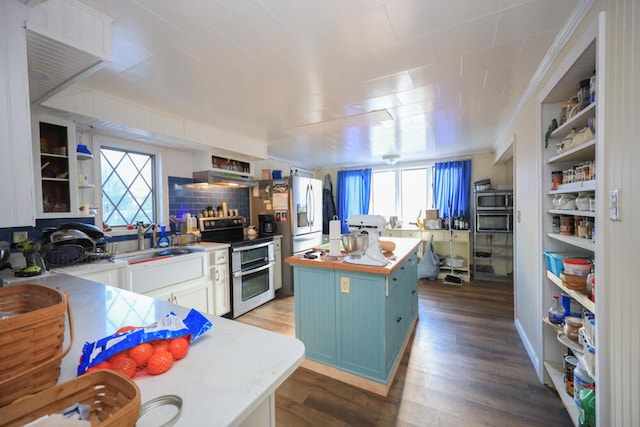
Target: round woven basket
<point>32,325</point>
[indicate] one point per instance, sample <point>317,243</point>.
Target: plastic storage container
<point>577,266</point>
<point>555,260</point>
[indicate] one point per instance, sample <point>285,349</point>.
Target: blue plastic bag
<point>171,326</point>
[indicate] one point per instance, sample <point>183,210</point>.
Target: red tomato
<point>125,365</point>
<point>159,362</point>
<point>141,353</point>
<point>179,347</point>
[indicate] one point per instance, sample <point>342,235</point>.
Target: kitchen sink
<point>152,255</point>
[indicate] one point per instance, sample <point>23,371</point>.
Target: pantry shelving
<point>574,158</point>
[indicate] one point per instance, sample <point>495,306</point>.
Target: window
<point>402,192</point>
<point>128,192</point>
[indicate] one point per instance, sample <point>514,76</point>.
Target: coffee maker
<point>267,225</point>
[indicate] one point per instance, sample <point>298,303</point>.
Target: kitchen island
<point>356,320</point>
<point>228,378</point>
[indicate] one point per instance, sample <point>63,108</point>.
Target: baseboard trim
<point>533,356</point>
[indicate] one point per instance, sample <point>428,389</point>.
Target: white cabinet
<point>575,159</point>
<point>16,162</point>
<point>219,263</point>
<point>181,280</point>
<point>113,277</point>
<point>55,169</point>
<point>193,295</point>
<point>277,270</point>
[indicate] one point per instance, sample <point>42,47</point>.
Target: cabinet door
<point>361,322</point>
<point>315,312</point>
<point>195,296</point>
<point>16,162</point>
<point>221,289</point>
<point>114,277</point>
<point>55,167</point>
<point>277,271</point>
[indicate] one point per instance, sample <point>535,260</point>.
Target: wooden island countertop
<point>404,248</point>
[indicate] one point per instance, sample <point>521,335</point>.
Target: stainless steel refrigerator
<point>296,203</point>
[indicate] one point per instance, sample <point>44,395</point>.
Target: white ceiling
<point>304,74</point>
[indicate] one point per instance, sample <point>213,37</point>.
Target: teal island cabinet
<point>356,320</point>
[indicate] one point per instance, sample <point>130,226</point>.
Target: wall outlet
<point>20,236</point>
<point>345,285</point>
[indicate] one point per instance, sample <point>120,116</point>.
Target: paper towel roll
<point>335,237</point>
<point>334,229</point>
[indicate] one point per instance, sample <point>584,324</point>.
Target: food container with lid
<point>577,266</point>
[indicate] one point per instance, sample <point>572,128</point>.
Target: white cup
<point>83,178</point>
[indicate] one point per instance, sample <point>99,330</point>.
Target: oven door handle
<point>248,248</point>
<point>255,270</point>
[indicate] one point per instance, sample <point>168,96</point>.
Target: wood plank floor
<point>465,366</point>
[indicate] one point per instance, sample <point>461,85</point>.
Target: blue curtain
<point>452,185</point>
<point>354,193</point>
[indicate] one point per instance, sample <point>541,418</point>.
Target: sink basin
<point>154,256</point>
<point>172,251</point>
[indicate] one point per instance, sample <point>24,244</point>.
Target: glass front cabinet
<point>55,168</point>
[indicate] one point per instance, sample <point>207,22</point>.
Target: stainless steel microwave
<point>494,221</point>
<point>494,200</point>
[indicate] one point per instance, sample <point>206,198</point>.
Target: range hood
<point>224,178</point>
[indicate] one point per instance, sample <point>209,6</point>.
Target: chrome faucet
<point>142,229</point>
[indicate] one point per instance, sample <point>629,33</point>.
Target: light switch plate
<point>614,199</point>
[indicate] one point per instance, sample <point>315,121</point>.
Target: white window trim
<point>99,141</point>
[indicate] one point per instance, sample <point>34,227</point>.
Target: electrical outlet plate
<point>345,285</point>
<point>20,236</point>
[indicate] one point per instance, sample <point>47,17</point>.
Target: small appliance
<point>494,221</point>
<point>372,225</point>
<point>267,225</point>
<point>494,200</point>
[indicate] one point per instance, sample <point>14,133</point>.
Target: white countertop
<point>228,372</point>
<point>7,276</point>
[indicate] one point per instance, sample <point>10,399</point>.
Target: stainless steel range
<point>252,262</point>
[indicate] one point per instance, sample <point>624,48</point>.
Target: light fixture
<point>391,159</point>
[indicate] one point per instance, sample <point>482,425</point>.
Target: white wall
<point>177,163</point>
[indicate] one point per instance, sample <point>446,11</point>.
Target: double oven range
<point>251,262</point>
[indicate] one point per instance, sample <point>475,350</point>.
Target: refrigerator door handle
<point>309,204</point>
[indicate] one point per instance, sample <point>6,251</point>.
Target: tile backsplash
<point>184,196</point>
<point>187,197</point>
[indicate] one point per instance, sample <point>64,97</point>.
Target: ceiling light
<point>391,159</point>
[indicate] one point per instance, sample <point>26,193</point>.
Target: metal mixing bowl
<point>355,244</point>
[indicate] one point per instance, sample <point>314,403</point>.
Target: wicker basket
<point>31,338</point>
<point>114,400</point>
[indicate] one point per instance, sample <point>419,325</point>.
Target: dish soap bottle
<point>556,314</point>
<point>163,241</point>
